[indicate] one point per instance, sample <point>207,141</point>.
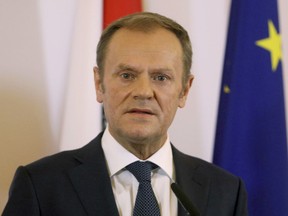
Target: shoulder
<point>202,168</point>
<point>227,193</point>
<point>66,159</point>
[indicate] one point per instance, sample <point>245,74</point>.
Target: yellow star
<point>226,89</point>
<point>272,44</point>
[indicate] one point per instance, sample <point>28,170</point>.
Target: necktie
<point>146,203</point>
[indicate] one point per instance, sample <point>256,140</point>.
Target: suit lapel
<point>93,185</point>
<point>191,180</point>
<point>92,182</point>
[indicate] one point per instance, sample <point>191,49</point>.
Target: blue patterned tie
<point>146,203</point>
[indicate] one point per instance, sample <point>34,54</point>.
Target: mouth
<point>141,111</point>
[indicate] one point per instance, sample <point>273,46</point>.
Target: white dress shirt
<point>125,185</point>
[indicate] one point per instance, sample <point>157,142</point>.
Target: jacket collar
<point>191,180</point>
<point>92,182</point>
<point>92,177</point>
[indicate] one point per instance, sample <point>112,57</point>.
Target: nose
<point>143,88</point>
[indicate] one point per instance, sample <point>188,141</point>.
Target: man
<point>143,76</point>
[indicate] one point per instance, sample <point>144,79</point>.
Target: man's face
<point>142,85</point>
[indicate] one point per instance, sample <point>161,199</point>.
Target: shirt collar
<point>117,157</point>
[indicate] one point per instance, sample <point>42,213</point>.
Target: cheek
<point>110,107</point>
<point>169,104</point>
<point>113,97</point>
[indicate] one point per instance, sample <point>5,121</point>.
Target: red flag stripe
<point>114,9</point>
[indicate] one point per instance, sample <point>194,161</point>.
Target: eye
<point>127,76</point>
<point>160,77</point>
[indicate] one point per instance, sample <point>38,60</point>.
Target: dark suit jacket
<point>77,183</point>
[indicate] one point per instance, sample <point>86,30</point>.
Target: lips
<point>141,111</point>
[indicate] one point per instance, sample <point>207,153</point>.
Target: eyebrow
<point>127,67</point>
<point>135,69</point>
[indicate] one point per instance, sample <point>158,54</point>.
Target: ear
<point>185,91</point>
<point>98,85</point>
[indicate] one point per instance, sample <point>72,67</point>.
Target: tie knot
<point>141,170</point>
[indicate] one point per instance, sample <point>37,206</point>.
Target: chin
<point>152,137</point>
<point>139,134</point>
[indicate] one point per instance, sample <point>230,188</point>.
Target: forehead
<point>156,48</point>
<point>154,40</point>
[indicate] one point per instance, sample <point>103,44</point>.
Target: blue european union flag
<point>251,139</point>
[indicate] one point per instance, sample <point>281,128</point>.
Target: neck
<point>143,151</point>
<point>142,148</point>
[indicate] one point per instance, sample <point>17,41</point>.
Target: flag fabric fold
<point>251,139</point>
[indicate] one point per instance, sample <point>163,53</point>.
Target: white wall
<point>47,51</point>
